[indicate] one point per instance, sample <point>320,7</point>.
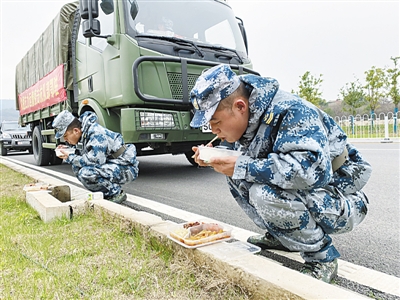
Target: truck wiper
<point>173,39</point>
<point>222,49</point>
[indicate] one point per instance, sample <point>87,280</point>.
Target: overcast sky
<point>338,39</point>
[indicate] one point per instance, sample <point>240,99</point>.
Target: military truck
<point>133,63</point>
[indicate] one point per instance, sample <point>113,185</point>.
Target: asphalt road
<point>374,244</point>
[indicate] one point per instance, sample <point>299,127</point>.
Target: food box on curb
<point>197,234</point>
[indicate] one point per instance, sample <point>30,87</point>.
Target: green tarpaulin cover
<point>48,52</point>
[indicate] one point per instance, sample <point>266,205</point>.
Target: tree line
<point>381,89</point>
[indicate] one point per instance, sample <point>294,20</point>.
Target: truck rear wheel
<point>41,155</point>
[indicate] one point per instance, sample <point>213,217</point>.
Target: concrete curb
<point>48,207</point>
<point>271,280</point>
<point>264,277</point>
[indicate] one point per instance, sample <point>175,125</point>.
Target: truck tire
<point>190,159</point>
<point>3,150</point>
<point>41,155</point>
<point>55,160</point>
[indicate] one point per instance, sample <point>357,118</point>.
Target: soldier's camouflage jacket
<point>284,179</point>
<point>94,166</point>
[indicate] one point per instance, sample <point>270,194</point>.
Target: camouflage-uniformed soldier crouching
<point>102,161</point>
<point>297,177</point>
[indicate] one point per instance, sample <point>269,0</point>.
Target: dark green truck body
<point>107,60</point>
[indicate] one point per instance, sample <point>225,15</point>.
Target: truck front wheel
<point>41,155</point>
<point>189,157</point>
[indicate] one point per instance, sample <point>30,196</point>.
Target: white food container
<point>68,150</point>
<point>205,153</point>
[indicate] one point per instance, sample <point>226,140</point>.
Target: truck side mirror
<point>84,9</point>
<point>90,29</point>
<point>134,9</point>
<point>89,10</point>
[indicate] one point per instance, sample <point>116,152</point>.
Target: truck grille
<point>20,136</point>
<point>175,82</point>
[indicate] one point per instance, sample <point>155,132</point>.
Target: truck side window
<point>106,27</point>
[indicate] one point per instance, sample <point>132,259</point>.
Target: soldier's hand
<point>197,159</point>
<point>224,165</point>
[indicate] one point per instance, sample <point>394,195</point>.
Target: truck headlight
<point>6,136</point>
<point>156,120</point>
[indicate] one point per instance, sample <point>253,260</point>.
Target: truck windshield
<point>208,22</point>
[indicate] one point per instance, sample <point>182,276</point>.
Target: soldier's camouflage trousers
<point>106,178</point>
<point>303,221</point>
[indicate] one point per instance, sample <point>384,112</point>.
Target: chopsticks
<point>210,142</point>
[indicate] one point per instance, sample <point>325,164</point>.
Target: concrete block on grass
<point>48,207</point>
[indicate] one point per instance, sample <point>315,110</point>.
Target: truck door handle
<point>90,84</point>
